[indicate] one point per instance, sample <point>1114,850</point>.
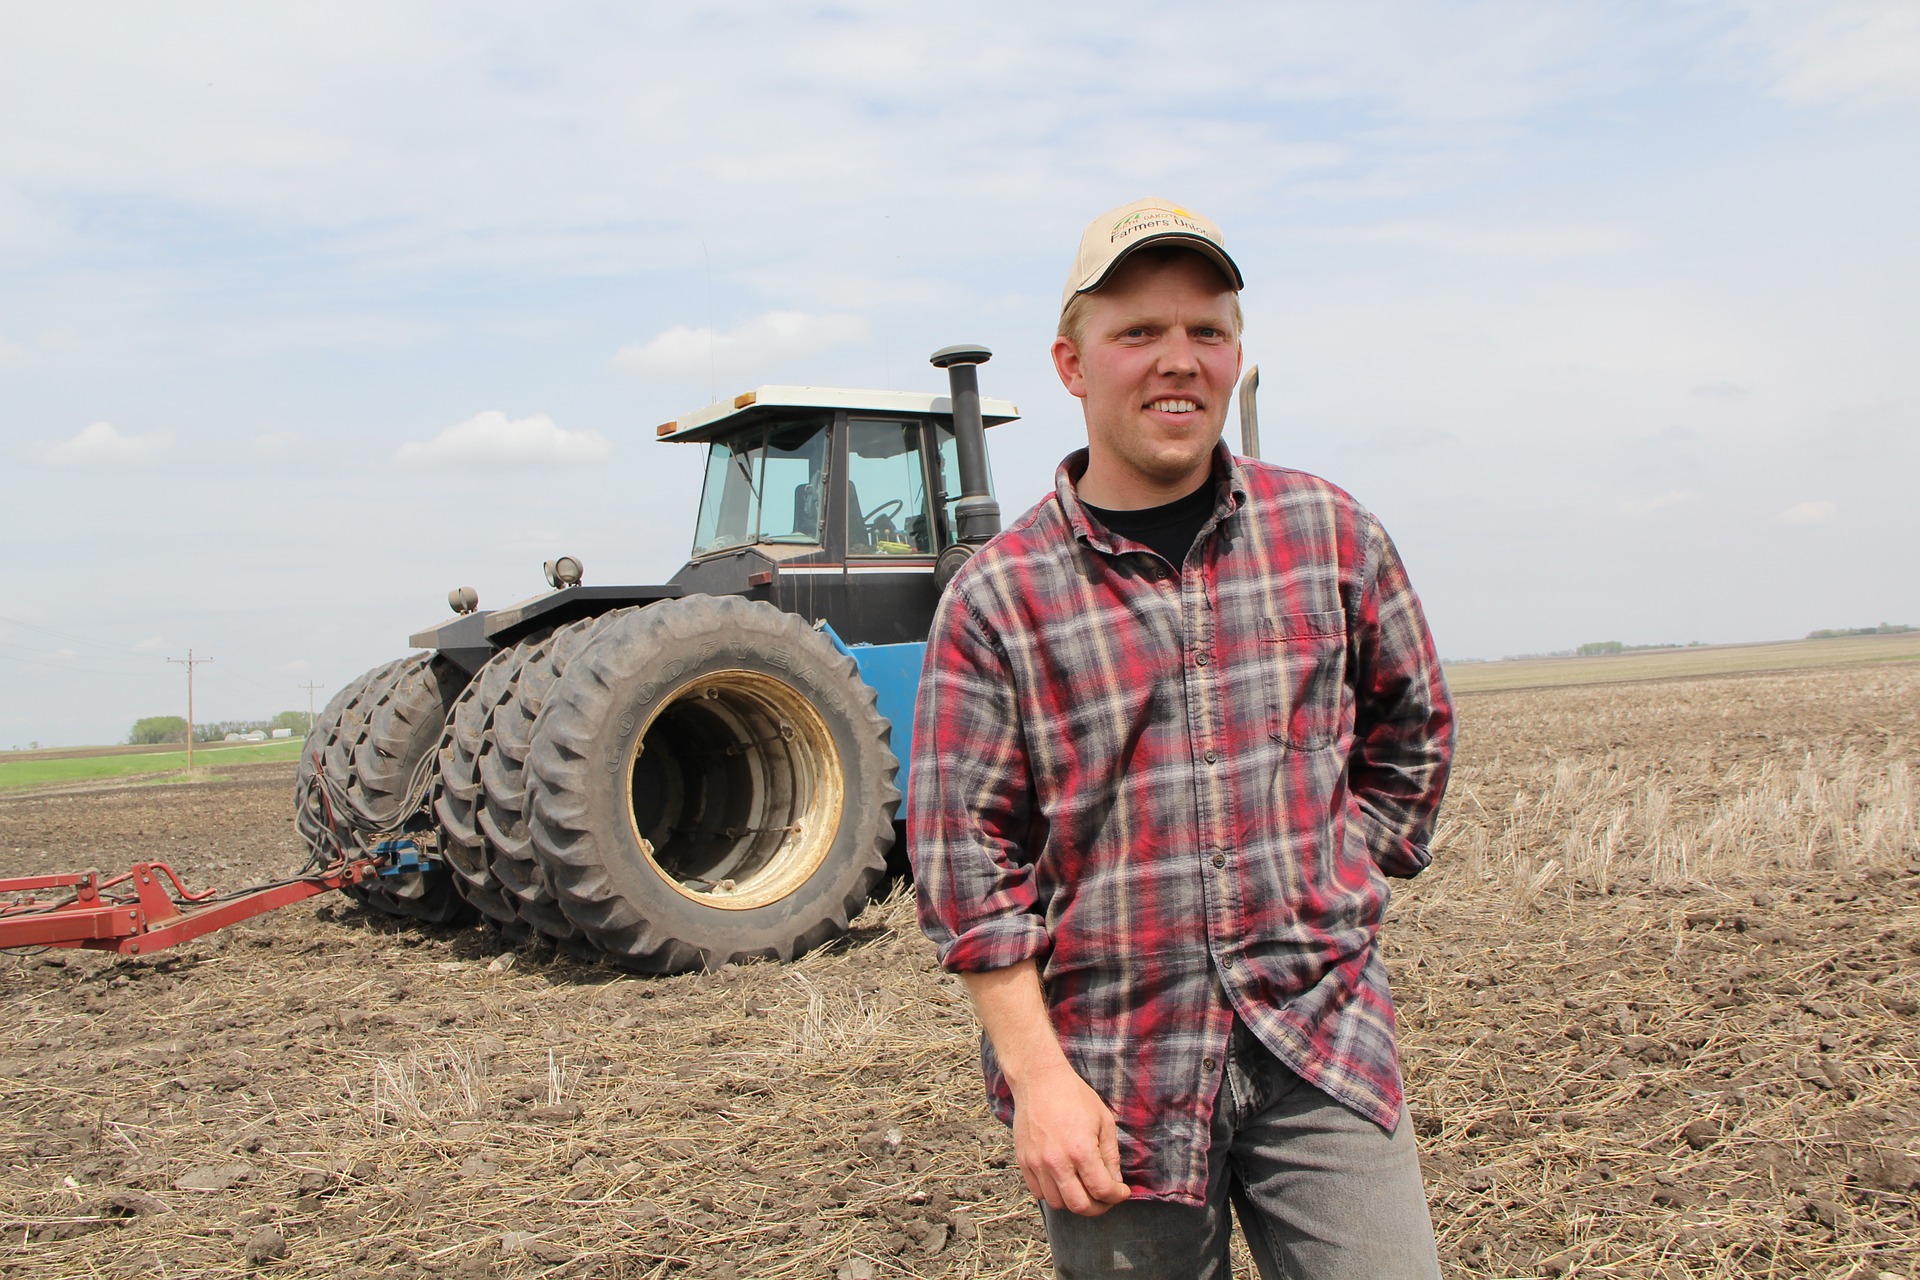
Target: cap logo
<point>1153,220</point>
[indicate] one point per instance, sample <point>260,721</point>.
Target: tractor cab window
<point>887,509</point>
<point>763,487</point>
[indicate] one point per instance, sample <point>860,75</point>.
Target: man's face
<point>1156,365</point>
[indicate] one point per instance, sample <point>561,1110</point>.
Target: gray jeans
<point>1322,1194</point>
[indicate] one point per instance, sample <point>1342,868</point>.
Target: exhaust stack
<point>976,513</point>
<point>1250,414</point>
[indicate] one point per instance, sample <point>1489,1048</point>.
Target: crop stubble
<point>1658,1001</point>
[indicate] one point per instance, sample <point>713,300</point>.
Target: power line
<point>233,674</point>
<point>224,682</point>
<point>41,654</point>
<point>62,635</point>
<point>61,666</point>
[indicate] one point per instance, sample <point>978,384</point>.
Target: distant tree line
<point>158,729</point>
<point>1884,629</point>
<point>1597,648</point>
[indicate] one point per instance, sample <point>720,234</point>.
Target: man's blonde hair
<point>1073,317</point>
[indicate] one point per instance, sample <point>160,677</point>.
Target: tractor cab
<point>833,503</point>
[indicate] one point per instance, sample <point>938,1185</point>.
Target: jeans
<point>1321,1193</point>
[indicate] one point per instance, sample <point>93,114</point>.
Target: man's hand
<point>1064,1136</point>
<point>1067,1143</point>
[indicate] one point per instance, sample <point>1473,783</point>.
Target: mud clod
<point>267,1245</point>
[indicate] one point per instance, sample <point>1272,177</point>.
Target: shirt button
<point>1207,1064</point>
<point>1200,660</point>
<point>1219,859</point>
<point>1211,757</point>
<point>1226,962</point>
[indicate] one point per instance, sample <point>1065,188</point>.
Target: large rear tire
<point>710,782</point>
<point>378,774</point>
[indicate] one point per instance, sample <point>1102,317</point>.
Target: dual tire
<point>672,787</point>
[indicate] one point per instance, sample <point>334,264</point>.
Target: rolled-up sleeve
<point>970,812</point>
<point>1403,719</point>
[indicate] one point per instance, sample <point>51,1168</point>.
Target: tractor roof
<point>725,417</point>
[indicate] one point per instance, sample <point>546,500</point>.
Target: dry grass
<point>1567,824</point>
<point>1658,1004</point>
<point>1659,992</point>
<point>1678,795</point>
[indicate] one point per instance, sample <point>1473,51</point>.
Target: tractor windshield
<point>763,487</point>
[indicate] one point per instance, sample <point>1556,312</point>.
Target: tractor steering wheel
<point>884,511</point>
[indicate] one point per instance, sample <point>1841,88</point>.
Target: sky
<point>310,313</point>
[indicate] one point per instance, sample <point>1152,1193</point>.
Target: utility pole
<point>189,662</point>
<point>309,686</point>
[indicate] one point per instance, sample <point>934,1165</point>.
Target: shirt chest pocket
<point>1304,656</point>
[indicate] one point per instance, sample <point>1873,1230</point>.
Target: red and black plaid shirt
<point>1179,792</point>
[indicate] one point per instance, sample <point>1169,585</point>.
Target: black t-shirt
<point>1169,529</point>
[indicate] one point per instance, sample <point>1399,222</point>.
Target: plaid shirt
<point>1179,793</point>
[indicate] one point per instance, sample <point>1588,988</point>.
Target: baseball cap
<point>1115,234</point>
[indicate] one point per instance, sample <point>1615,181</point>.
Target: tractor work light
<point>564,572</point>
<point>463,600</point>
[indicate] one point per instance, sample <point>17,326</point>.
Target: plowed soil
<point>1695,1053</point>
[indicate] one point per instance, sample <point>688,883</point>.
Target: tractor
<point>679,776</point>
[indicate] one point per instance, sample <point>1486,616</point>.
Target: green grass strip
<point>40,773</point>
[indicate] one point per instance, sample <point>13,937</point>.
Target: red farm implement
<point>134,913</point>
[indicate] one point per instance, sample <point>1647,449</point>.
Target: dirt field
<point>1658,995</point>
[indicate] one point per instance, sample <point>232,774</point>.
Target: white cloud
<point>492,439</point>
<point>1836,50</point>
<point>298,667</point>
<point>100,444</point>
<point>394,135</point>
<point>1802,514</point>
<point>682,351</point>
<point>150,645</point>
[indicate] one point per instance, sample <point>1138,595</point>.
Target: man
<point>1176,724</point>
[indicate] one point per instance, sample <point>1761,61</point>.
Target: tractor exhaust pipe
<point>1250,414</point>
<point>977,514</point>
